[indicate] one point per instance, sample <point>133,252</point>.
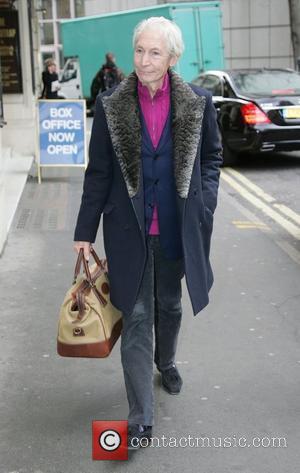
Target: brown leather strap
<point>87,270</point>
<point>99,296</point>
<point>97,259</point>
<point>89,282</point>
<point>92,284</point>
<point>101,263</point>
<point>78,265</point>
<point>80,304</point>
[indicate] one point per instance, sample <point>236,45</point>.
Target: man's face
<point>151,57</point>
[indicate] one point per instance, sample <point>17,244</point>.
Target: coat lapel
<point>187,117</point>
<point>123,119</point>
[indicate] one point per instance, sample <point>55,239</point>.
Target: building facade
<point>50,13</point>
<point>257,33</point>
<point>19,44</point>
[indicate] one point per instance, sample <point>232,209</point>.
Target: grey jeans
<point>158,303</point>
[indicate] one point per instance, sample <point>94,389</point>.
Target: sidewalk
<point>14,171</point>
<point>239,359</point>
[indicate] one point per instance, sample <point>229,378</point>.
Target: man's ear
<point>173,61</point>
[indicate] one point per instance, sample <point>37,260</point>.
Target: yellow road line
<point>288,212</point>
<point>290,250</point>
<point>283,222</point>
<point>256,189</point>
<point>267,197</point>
<point>249,224</point>
<point>239,225</point>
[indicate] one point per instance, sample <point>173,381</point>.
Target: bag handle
<point>91,282</point>
<point>81,258</point>
<point>80,293</point>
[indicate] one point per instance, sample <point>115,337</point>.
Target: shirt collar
<point>163,91</point>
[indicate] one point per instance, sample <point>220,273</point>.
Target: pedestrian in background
<point>50,81</point>
<point>153,172</point>
<point>107,77</point>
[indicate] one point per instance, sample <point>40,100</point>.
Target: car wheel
<point>229,157</point>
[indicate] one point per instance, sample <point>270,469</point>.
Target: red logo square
<point>110,439</point>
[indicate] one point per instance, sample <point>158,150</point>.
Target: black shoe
<point>171,380</point>
<point>138,436</point>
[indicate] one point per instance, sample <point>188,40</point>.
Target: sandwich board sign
<point>61,134</point>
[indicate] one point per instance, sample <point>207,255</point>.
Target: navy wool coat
<point>113,185</point>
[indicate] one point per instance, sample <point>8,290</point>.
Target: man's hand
<point>86,245</point>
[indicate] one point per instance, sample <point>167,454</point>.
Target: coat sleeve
<point>211,156</point>
<point>97,179</point>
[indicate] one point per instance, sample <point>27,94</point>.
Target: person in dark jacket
<point>50,81</point>
<point>155,154</point>
<point>107,77</point>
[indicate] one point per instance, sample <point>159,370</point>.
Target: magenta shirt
<point>155,111</point>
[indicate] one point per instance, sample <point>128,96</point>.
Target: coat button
<point>155,156</point>
<point>156,181</point>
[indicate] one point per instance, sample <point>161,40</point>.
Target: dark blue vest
<point>159,188</point>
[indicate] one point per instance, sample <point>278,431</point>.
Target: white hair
<point>169,30</point>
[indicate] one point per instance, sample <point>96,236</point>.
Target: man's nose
<point>145,59</point>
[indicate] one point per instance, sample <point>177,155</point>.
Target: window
<point>199,81</point>
<point>267,82</point>
<point>47,55</point>
<point>79,8</point>
<point>50,14</point>
<point>47,36</point>
<point>228,92</point>
<point>46,7</point>
<point>63,9</point>
<point>57,26</point>
<point>61,56</point>
<point>213,84</point>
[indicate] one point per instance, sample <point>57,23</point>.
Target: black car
<point>258,109</point>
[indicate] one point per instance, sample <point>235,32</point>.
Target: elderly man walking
<point>153,172</point>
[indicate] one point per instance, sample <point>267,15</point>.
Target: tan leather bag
<point>89,325</point>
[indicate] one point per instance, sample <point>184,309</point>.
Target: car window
<point>267,82</point>
<point>213,84</point>
<point>228,92</point>
<point>199,81</point>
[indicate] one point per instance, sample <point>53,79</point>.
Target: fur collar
<point>122,114</point>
